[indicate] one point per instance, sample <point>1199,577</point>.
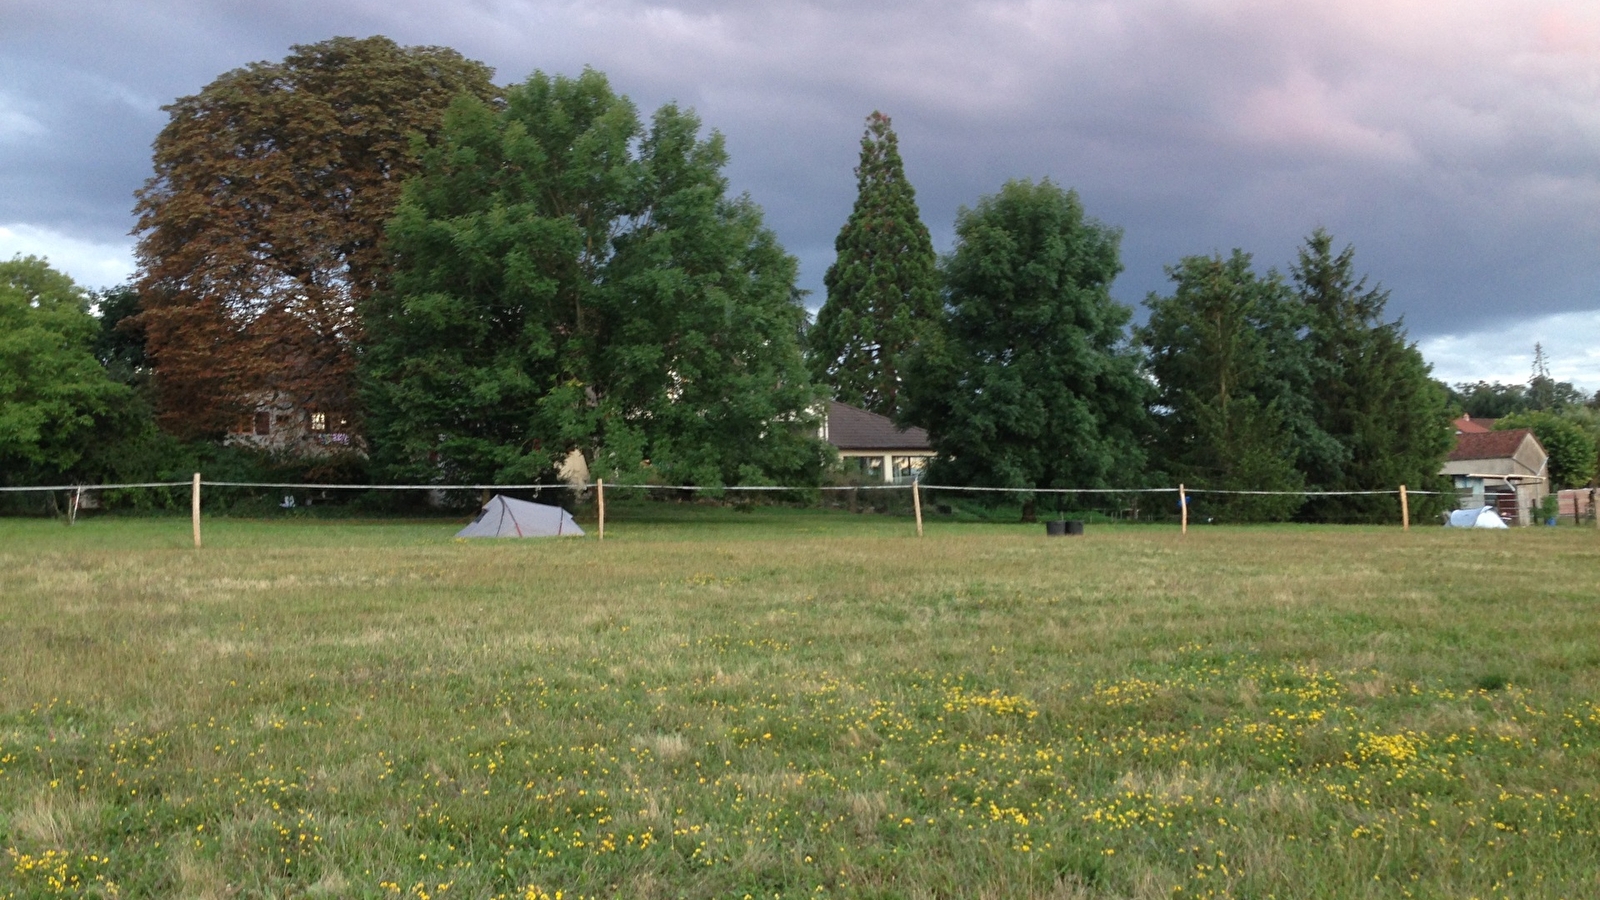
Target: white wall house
<point>872,446</point>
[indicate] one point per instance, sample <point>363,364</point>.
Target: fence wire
<point>635,501</point>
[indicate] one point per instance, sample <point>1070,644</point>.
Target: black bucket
<point>1058,528</point>
<point>1075,526</point>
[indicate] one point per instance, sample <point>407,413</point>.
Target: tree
<point>1570,445</point>
<point>1374,392</point>
<point>120,345</point>
<point>260,230</point>
<point>1223,352</point>
<point>568,279</point>
<point>1028,382</point>
<point>56,402</point>
<point>1587,419</point>
<point>1489,400</point>
<point>883,286</point>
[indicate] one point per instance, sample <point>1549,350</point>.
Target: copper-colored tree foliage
<point>260,230</point>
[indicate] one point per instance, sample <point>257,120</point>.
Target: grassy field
<point>797,705</point>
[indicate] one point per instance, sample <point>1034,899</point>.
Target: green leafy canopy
<point>568,279</point>
<point>1028,381</point>
<point>56,401</point>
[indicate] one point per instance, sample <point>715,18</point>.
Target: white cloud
<point>92,265</point>
<point>1504,351</point>
<point>16,124</point>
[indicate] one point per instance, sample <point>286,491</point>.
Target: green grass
<point>783,703</point>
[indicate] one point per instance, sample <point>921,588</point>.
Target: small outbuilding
<point>505,517</point>
<point>1508,470</point>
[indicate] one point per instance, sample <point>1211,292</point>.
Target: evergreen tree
<point>882,286</point>
<point>1028,381</point>
<point>1373,390</point>
<point>1222,350</point>
<point>568,279</point>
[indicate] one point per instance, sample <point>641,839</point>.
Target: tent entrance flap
<point>504,516</point>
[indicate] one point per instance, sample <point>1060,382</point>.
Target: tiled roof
<point>1469,425</point>
<point>850,428</point>
<point>1488,444</point>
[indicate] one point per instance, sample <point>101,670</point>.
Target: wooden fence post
<point>1183,508</point>
<point>600,493</point>
<point>916,503</point>
<point>194,507</point>
<point>1405,510</point>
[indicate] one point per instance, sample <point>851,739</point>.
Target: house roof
<point>1488,444</point>
<point>1469,425</point>
<point>850,428</point>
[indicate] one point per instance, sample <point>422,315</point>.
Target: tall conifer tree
<point>882,287</point>
<point>1222,350</point>
<point>1374,392</point>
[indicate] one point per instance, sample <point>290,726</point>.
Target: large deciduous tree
<point>260,230</point>
<point>56,402</point>
<point>883,286</point>
<point>567,278</point>
<point>1028,382</point>
<point>1373,390</point>
<point>1224,354</point>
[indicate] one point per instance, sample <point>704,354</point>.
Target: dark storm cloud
<point>1455,145</point>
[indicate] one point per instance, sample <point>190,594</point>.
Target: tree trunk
<point>1030,511</point>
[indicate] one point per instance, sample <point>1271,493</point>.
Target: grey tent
<point>505,517</point>
<point>1476,517</point>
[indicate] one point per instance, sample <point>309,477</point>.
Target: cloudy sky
<point>1455,145</point>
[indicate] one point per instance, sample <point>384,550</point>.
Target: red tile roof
<point>1488,444</point>
<point>1469,425</point>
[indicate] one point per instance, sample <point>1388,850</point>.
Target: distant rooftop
<point>850,428</point>
<point>1488,444</point>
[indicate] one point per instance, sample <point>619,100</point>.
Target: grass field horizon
<point>788,704</point>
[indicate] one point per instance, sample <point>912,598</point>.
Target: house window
<point>319,421</point>
<point>263,424</point>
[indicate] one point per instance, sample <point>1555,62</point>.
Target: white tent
<point>1476,517</point>
<point>505,517</point>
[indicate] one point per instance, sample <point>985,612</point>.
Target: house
<point>1508,470</point>
<point>282,425</point>
<point>872,446</point>
<point>1468,425</point>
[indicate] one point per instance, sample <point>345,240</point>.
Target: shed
<point>1505,469</point>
